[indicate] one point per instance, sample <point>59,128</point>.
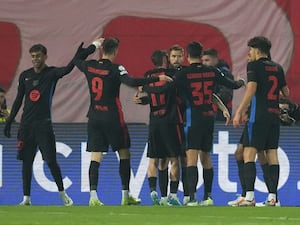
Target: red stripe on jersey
<point>120,111</point>
<point>179,115</point>
<point>98,71</point>
<point>157,84</point>
<point>179,134</point>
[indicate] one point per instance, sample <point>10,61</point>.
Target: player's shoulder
<point>27,73</point>
<point>119,68</point>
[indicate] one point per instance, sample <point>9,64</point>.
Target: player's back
<point>104,87</point>
<point>197,81</point>
<point>162,99</point>
<point>269,77</point>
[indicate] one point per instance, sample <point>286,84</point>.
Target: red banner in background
<point>291,8</point>
<point>139,37</point>
<point>10,51</point>
<point>142,27</point>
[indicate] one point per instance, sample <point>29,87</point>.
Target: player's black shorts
<point>242,136</point>
<point>200,134</point>
<point>165,140</point>
<point>38,134</point>
<point>102,134</point>
<point>262,135</point>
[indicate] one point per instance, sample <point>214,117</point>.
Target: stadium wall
<point>74,162</point>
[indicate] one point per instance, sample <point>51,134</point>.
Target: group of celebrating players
<point>181,119</point>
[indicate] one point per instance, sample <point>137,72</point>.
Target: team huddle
<point>184,103</point>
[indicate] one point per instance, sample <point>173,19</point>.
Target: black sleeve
<point>223,80</point>
<point>80,55</point>
<point>133,82</point>
<point>18,101</point>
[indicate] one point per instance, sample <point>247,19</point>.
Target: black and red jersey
<point>104,79</point>
<point>162,99</point>
<point>38,89</point>
<point>198,81</point>
<point>270,79</point>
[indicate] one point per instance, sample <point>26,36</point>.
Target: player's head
<point>159,58</point>
<point>176,56</point>
<point>110,47</point>
<point>2,98</point>
<point>38,54</point>
<point>210,57</point>
<point>259,47</point>
<point>286,109</point>
<point>194,50</point>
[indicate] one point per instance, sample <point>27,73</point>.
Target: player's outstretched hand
<point>98,42</point>
<point>165,78</point>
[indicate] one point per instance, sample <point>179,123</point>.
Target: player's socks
<point>94,174</point>
<point>240,165</point>
<point>208,175</point>
<point>152,183</point>
<point>192,173</point>
<point>124,171</point>
<point>163,181</point>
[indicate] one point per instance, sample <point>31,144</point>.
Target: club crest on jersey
<point>34,95</point>
<point>122,70</point>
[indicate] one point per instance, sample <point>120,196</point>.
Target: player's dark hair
<point>38,48</point>
<point>261,43</point>
<point>110,45</point>
<point>211,51</point>
<point>194,49</point>
<point>158,56</point>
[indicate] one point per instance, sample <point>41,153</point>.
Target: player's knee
<point>96,156</point>
<point>239,153</point>
<point>124,153</point>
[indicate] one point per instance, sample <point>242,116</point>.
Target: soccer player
<point>106,125</point>
<point>176,59</point>
<point>289,115</point>
<point>197,81</point>
<point>4,111</point>
<point>265,82</point>
<point>165,130</point>
<point>210,58</point>
<point>37,85</point>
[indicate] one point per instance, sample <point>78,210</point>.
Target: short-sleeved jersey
<point>104,79</point>
<point>162,99</point>
<point>270,79</point>
<point>38,89</point>
<point>197,82</point>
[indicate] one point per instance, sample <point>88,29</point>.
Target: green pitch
<point>131,215</point>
